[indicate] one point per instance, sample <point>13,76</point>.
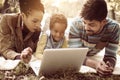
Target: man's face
<point>58,31</point>
<point>93,27</point>
<point>33,20</point>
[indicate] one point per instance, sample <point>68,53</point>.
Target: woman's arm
<point>6,42</point>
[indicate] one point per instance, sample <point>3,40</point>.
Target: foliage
<point>114,4</point>
<point>9,6</point>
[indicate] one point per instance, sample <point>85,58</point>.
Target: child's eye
<point>34,21</point>
<point>56,31</point>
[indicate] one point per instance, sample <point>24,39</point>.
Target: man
<point>95,31</point>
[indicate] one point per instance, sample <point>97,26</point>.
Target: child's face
<point>58,31</point>
<point>33,20</point>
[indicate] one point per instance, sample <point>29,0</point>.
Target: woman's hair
<point>94,10</point>
<point>26,6</point>
<point>57,18</point>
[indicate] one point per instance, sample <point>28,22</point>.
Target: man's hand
<point>104,68</point>
<point>26,55</point>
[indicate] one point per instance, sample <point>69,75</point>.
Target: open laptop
<point>62,59</point>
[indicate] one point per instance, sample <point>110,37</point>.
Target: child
<point>56,36</point>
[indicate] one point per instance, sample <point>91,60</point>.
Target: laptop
<point>62,59</point>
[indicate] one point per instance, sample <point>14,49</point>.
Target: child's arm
<point>41,46</point>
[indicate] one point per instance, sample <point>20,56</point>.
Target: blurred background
<point>70,8</point>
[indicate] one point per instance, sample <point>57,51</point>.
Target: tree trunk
<point>113,14</point>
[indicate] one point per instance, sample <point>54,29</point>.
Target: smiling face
<point>33,20</point>
<point>93,27</point>
<point>57,31</point>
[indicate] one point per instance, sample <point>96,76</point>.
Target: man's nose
<point>87,27</point>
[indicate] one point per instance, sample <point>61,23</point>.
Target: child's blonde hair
<point>58,18</point>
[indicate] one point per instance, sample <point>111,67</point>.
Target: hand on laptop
<point>104,68</point>
<point>26,55</point>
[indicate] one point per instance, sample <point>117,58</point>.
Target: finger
<point>110,67</point>
<point>24,56</point>
<point>29,49</point>
<point>104,73</point>
<point>104,66</point>
<point>99,71</point>
<point>108,63</point>
<point>27,52</point>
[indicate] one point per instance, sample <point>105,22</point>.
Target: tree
<point>114,6</point>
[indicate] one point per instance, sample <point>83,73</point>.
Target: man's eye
<point>84,22</point>
<point>92,25</point>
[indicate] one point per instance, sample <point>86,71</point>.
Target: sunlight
<point>69,8</point>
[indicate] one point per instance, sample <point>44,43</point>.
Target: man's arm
<point>111,48</point>
<point>75,33</point>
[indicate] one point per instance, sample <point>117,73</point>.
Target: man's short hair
<point>94,10</point>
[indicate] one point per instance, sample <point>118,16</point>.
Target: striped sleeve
<point>76,28</point>
<point>111,48</point>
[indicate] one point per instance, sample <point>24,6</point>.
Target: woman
<point>19,32</point>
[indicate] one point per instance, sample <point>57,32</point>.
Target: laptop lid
<point>62,59</point>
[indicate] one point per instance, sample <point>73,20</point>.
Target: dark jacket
<point>11,36</point>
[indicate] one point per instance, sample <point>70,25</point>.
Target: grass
<point>67,75</point>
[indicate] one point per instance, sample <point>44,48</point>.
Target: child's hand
<point>26,55</point>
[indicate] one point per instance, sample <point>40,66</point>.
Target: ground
<point>69,75</point>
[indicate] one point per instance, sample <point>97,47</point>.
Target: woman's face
<point>33,20</point>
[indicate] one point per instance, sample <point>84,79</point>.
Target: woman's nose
<point>38,26</point>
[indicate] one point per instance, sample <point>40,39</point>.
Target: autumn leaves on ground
<point>24,74</point>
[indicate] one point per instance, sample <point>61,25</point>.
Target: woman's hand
<point>26,55</point>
